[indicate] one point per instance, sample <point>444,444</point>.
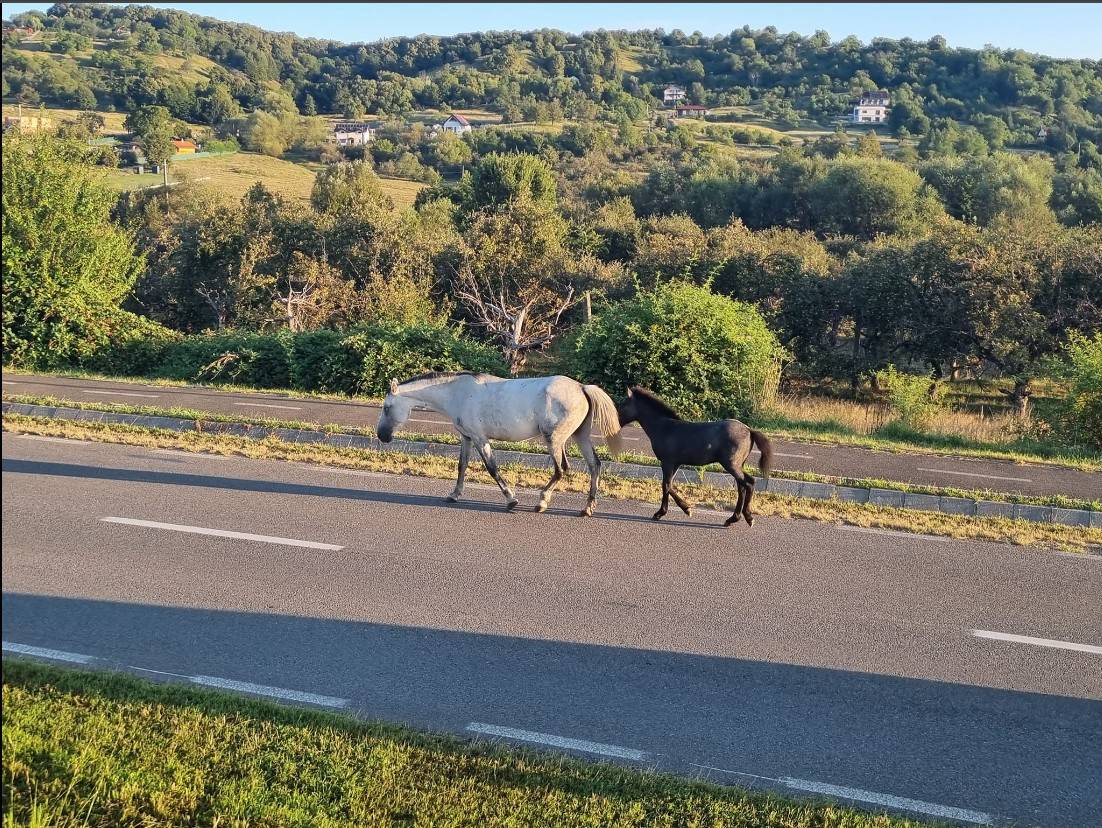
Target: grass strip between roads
<point>101,749</point>
<point>781,428</point>
<point>1060,501</point>
<point>1027,533</point>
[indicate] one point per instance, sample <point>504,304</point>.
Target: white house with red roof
<point>456,123</point>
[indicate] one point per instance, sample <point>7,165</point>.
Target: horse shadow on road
<point>244,484</point>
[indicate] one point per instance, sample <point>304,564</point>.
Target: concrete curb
<point>777,485</point>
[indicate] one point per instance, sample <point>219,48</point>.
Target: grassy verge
<point>827,432</point>
<point>1061,501</point>
<point>1056,536</point>
<point>84,748</point>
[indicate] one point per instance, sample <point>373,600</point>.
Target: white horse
<point>484,408</point>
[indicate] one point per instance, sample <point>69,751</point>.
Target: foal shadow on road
<point>243,484</point>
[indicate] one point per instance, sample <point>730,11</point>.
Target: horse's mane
<point>431,375</point>
<point>654,402</point>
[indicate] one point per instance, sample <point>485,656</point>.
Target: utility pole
<point>588,308</point>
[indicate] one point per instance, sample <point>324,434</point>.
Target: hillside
<point>122,57</point>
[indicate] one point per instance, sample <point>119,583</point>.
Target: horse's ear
<point>629,392</point>
<point>394,386</point>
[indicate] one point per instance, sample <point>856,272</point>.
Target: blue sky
<point>1056,29</point>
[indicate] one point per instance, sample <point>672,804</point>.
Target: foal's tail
<point>606,421</point>
<point>766,449</point>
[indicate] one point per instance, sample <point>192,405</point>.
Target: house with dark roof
<point>872,107</point>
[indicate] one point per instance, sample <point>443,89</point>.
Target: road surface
<point>956,679</point>
<point>838,461</point>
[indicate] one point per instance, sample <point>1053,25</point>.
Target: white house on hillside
<point>457,124</point>
<point>872,108</point>
<point>672,94</point>
<point>352,133</point>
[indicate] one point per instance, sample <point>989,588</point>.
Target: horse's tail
<point>606,421</point>
<point>766,449</point>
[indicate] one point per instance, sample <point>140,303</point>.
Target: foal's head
<point>641,402</point>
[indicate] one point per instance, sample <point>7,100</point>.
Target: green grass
<point>83,748</point>
<point>1061,501</point>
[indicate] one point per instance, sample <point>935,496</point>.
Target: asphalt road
<point>839,461</point>
<point>794,655</point>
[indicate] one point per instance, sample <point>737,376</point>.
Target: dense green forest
<point>1007,95</point>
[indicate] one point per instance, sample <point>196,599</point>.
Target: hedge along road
<point>838,461</point>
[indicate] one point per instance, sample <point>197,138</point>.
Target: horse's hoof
<point>689,512</point>
<point>511,505</point>
<point>657,516</point>
<point>586,512</point>
<point>749,520</point>
<point>542,507</point>
<point>452,499</point>
<point>730,520</point>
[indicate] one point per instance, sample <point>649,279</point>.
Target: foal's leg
<point>740,481</point>
<point>668,472</point>
<point>487,454</point>
<point>464,458</point>
<point>593,463</point>
<point>557,452</point>
<point>746,505</point>
<point>685,507</point>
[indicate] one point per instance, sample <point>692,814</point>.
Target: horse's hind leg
<point>593,462</point>
<point>746,504</point>
<point>487,454</point>
<point>558,453</point>
<point>667,477</point>
<point>685,507</point>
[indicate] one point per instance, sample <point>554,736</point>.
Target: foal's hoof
<point>730,520</point>
<point>657,515</point>
<point>541,507</point>
<point>687,510</point>
<point>451,499</point>
<point>586,512</point>
<point>511,505</point>
<point>749,520</point>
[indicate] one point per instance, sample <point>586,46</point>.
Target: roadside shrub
<point>360,361</point>
<point>913,398</point>
<point>1084,400</point>
<point>707,355</point>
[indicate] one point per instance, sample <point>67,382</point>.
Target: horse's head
<point>627,410</point>
<point>395,412</point>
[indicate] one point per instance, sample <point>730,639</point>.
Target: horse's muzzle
<point>386,435</point>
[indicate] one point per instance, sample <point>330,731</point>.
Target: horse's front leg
<point>667,478</point>
<point>464,458</point>
<point>487,453</point>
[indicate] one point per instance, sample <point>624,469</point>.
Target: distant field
<point>231,176</point>
<point>112,120</point>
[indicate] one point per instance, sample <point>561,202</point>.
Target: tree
<point>266,134</point>
<point>868,145</point>
<point>865,197</point>
<point>512,277</point>
<point>147,119</point>
<point>67,267</point>
<point>503,180</point>
<point>348,187</point>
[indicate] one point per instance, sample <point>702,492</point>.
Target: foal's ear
<point>629,392</point>
<point>394,386</point>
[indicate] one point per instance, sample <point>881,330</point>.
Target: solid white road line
<point>973,474</point>
<point>859,795</point>
<point>119,394</point>
<point>1038,642</point>
<point>893,534</point>
<point>797,456</point>
<point>6,382</point>
<point>557,741</point>
<point>264,690</point>
<point>889,801</point>
<point>222,533</point>
<point>267,405</point>
<point>206,681</point>
<point>44,652</point>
